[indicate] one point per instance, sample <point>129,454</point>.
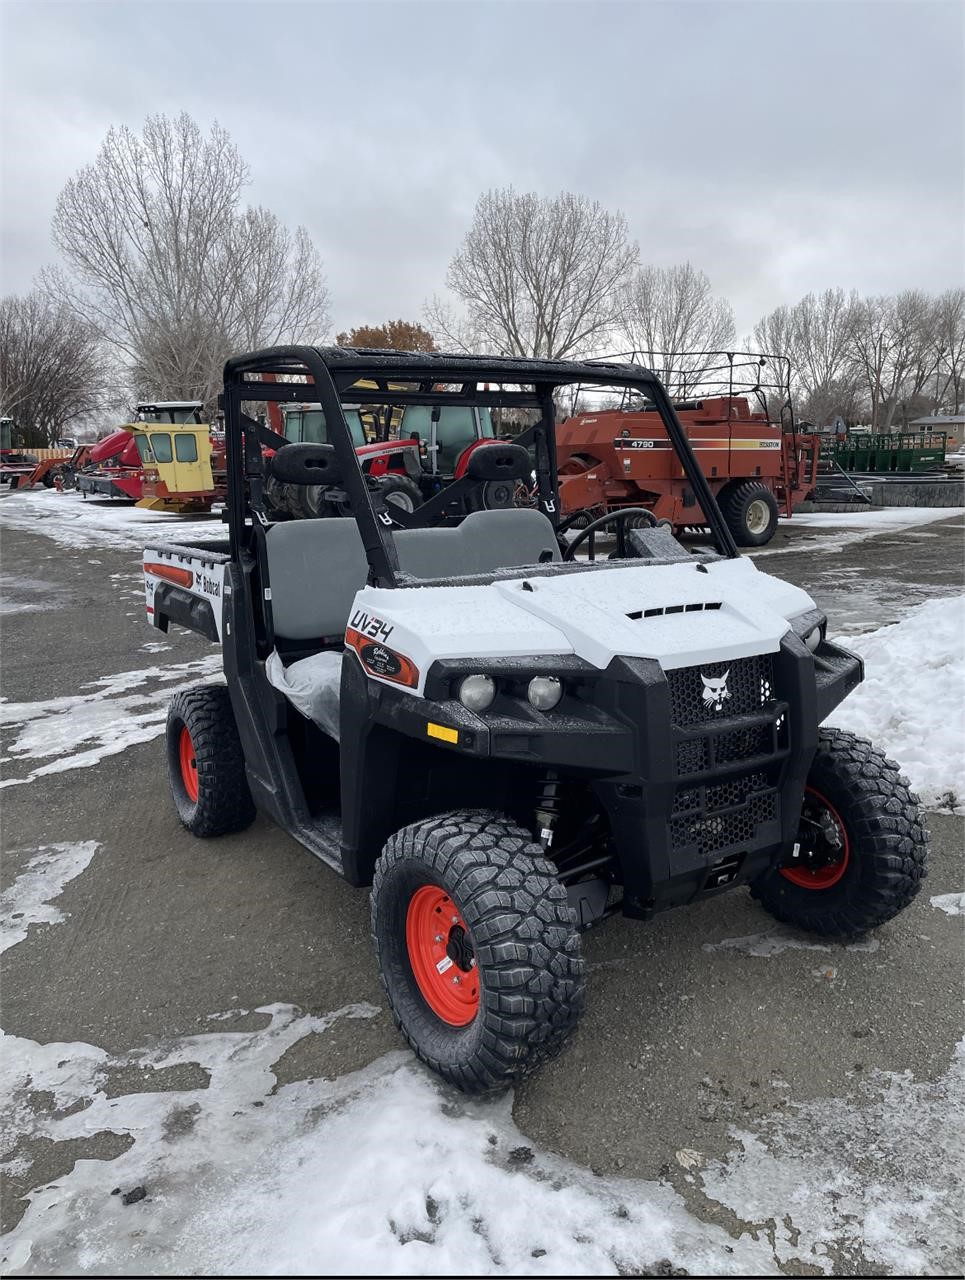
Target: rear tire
<point>506,932</point>
<point>750,510</point>
<point>883,849</point>
<point>206,764</point>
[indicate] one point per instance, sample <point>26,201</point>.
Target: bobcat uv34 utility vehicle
<point>506,736</point>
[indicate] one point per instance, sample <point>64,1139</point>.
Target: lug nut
<point>438,937</point>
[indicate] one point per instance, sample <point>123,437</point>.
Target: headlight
<point>544,692</point>
<point>476,693</point>
<point>810,628</point>
<point>813,639</point>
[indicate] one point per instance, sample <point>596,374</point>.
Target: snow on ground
<point>854,526</point>
<point>878,1182</point>
<point>73,521</point>
<point>28,900</point>
<point>771,942</point>
<point>880,519</point>
<point>387,1171</point>
<point>953,904</point>
<point>912,701</point>
<point>81,730</point>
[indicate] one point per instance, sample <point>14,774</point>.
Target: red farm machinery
<point>736,410</point>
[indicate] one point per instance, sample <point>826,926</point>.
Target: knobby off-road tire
<point>206,764</point>
<point>489,883</point>
<point>885,854</point>
<point>750,510</point>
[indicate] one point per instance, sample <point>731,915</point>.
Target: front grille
<point>712,832</point>
<point>694,754</point>
<point>722,795</point>
<point>713,813</point>
<point>750,686</point>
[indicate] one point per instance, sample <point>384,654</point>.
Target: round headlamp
<point>544,692</point>
<point>476,693</point>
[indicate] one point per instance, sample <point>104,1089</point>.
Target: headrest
<point>499,461</point>
<point>306,464</point>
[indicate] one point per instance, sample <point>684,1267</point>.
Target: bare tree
<point>949,338</point>
<point>538,277</point>
<point>52,367</point>
<point>669,315</point>
<point>888,338</point>
<point>816,337</point>
<point>167,266</point>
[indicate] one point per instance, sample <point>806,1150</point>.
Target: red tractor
<point>414,452</point>
<point>736,411</point>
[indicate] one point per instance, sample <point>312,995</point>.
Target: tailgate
<point>185,585</point>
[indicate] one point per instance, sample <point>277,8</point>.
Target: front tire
<point>477,947</point>
<point>401,491</point>
<point>206,763</point>
<point>750,510</point>
<point>864,838</point>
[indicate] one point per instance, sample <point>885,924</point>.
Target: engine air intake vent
<point>700,607</point>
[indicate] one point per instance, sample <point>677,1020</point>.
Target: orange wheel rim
<point>826,876</point>
<point>189,765</point>
<point>441,956</point>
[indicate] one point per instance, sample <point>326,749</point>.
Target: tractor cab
<point>445,432</point>
<point>171,411</point>
<point>175,450</point>
<point>305,424</point>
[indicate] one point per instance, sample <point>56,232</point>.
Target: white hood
<point>735,611</point>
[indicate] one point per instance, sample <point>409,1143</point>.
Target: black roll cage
<point>334,371</point>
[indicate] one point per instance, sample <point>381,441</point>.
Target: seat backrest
<point>316,567</point>
<point>496,540</point>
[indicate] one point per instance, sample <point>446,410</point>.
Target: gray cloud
<point>781,147</point>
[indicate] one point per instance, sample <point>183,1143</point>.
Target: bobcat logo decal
<point>715,691</point>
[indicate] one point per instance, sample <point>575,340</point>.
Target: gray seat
<point>315,567</point>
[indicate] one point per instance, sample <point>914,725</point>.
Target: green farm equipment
<point>898,451</point>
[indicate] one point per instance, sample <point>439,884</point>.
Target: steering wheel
<point>619,518</point>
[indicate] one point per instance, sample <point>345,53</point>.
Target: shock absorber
<point>548,805</point>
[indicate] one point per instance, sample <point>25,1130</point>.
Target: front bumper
<point>698,798</point>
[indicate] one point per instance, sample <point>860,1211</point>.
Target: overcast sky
<point>781,146</point>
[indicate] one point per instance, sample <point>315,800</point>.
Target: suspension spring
<point>548,806</point>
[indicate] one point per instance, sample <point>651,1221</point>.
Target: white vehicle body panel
<point>207,577</point>
<point>587,614</point>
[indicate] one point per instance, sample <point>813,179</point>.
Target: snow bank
<point>912,702</point>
